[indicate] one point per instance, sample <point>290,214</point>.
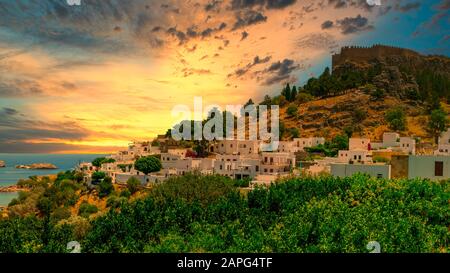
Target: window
<point>257,168</point>
<point>438,168</point>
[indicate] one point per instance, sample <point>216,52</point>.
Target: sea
<point>10,175</point>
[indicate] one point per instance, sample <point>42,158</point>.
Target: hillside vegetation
<point>357,95</point>
<point>297,215</point>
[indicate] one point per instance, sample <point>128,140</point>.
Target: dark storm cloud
<point>20,128</point>
<point>279,4</point>
<point>45,148</point>
<point>249,17</point>
<point>213,5</point>
<point>86,26</point>
<point>244,35</point>
<point>278,72</point>
<point>193,32</point>
<point>19,88</point>
<point>361,4</point>
<point>327,24</point>
<point>338,3</point>
<point>243,70</point>
<point>269,4</point>
<point>8,111</point>
<point>356,24</point>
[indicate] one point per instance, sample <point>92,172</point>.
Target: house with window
<point>299,144</point>
<point>277,163</point>
<point>238,147</point>
<point>355,156</point>
<point>434,167</point>
<point>237,166</point>
<point>444,144</point>
<point>359,144</point>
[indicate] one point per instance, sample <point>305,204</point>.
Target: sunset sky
<point>92,78</point>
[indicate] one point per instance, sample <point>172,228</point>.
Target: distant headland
<point>38,166</point>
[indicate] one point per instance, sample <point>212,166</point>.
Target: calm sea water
<point>10,175</point>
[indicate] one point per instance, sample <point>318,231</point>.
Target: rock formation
<point>2,164</point>
<point>38,166</point>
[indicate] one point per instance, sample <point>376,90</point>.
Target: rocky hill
<point>363,85</point>
<point>354,111</point>
<point>400,72</point>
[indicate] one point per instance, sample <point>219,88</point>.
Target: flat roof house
<point>434,167</point>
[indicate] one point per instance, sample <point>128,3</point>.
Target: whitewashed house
<point>408,145</point>
<point>277,163</point>
<point>444,144</point>
<point>359,144</point>
<point>435,167</point>
<point>237,166</point>
<point>239,147</point>
<point>361,156</point>
<point>301,143</point>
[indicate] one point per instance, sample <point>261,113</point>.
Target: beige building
<point>277,163</point>
<point>238,147</point>
<point>444,144</point>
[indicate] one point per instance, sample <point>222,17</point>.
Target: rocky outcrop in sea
<point>2,164</point>
<point>37,166</point>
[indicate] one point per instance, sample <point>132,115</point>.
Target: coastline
<point>12,188</point>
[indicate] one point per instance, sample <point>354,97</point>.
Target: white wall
<point>374,170</point>
<point>424,167</point>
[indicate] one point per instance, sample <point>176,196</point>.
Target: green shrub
<point>87,209</point>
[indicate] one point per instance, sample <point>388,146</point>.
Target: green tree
<point>133,184</point>
<point>294,93</point>
<point>295,132</point>
<point>396,118</point>
<point>105,187</point>
<point>87,209</point>
<point>438,123</point>
<point>292,110</point>
<point>102,160</point>
<point>148,164</point>
<point>287,92</point>
<point>97,177</point>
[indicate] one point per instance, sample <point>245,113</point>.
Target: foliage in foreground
<point>209,214</point>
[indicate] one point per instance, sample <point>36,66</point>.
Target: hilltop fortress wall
<point>365,54</point>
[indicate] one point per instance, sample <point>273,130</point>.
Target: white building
<point>361,156</point>
<point>435,167</point>
<point>287,147</point>
<point>299,144</point>
<point>408,145</point>
<point>374,170</point>
<point>237,166</point>
<point>393,142</point>
<point>277,163</point>
<point>443,144</point>
<point>238,147</point>
<point>359,144</point>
